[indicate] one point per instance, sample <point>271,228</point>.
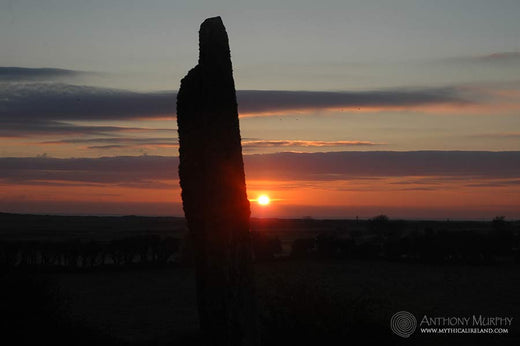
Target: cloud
<point>170,142</point>
<point>443,166</point>
<point>111,170</point>
<point>36,108</point>
<point>278,101</point>
<point>497,183</point>
<point>118,140</point>
<point>501,57</point>
<point>18,74</point>
<point>505,135</point>
<point>303,143</point>
<point>114,140</point>
<point>346,165</point>
<point>107,147</point>
<point>64,102</point>
<point>41,128</point>
<point>106,143</point>
<point>58,102</point>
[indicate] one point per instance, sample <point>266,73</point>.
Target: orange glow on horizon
<point>292,198</point>
<point>503,107</point>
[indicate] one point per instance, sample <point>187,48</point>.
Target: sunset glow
<point>386,123</point>
<point>264,200</point>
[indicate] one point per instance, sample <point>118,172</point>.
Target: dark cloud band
<point>18,74</point>
<point>59,102</point>
<point>282,166</point>
<point>267,101</point>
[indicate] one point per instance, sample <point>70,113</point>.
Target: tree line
<point>390,240</point>
<point>78,253</point>
<point>383,239</point>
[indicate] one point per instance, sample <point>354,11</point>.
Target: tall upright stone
<point>215,203</point>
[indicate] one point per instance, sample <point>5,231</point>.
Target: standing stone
<point>215,203</point>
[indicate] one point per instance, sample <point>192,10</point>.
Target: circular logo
<point>403,324</point>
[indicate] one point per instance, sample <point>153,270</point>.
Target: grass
<point>299,301</point>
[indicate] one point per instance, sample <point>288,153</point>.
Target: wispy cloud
<point>107,147</point>
<point>507,135</point>
<point>116,140</point>
<point>343,165</point>
<point>107,143</point>
<point>303,143</point>
<point>425,167</point>
<point>106,170</point>
<point>50,108</point>
<point>43,128</point>
<point>254,102</point>
<point>172,142</point>
<point>18,74</point>
<point>501,58</point>
<point>63,102</point>
<point>58,102</point>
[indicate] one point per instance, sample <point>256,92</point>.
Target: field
<point>300,300</point>
<point>160,305</point>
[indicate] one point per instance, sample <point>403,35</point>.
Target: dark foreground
<point>304,298</point>
<point>300,301</point>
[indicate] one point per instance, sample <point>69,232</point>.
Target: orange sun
<point>263,200</point>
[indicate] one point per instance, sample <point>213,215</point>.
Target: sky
<point>347,108</point>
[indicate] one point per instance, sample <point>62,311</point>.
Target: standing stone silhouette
<point>215,203</point>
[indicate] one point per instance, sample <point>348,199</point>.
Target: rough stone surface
<point>215,203</point>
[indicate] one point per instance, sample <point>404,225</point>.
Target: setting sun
<point>263,200</point>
